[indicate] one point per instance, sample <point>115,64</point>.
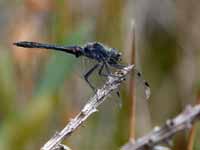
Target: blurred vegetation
<point>41,90</point>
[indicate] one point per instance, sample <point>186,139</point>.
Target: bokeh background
<point>41,90</point>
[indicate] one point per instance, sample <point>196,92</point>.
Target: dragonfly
<point>105,57</point>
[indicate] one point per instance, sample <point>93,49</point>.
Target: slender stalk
<point>132,91</point>
<point>193,130</point>
<point>191,138</point>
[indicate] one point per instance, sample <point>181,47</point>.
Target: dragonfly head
<point>115,56</point>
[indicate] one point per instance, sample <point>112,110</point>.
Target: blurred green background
<point>41,90</point>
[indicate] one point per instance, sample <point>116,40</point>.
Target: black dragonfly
<point>105,57</point>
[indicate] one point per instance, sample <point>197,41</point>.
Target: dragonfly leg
<point>101,73</point>
<point>108,72</point>
<point>118,66</point>
<point>107,69</point>
<point>88,73</point>
<point>118,90</point>
<point>119,98</point>
<point>107,66</point>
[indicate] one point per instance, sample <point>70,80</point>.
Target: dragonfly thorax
<point>101,53</point>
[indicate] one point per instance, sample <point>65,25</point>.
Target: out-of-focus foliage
<point>41,90</point>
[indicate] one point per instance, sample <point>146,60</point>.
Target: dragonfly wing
<point>144,83</point>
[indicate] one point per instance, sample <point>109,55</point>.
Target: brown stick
<point>132,89</point>
<point>193,130</point>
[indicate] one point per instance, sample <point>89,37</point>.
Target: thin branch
<point>166,132</point>
<point>112,84</point>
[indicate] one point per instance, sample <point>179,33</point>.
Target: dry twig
<point>165,133</point>
<point>112,83</point>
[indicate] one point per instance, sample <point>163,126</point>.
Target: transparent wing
<point>143,82</point>
<point>139,79</point>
